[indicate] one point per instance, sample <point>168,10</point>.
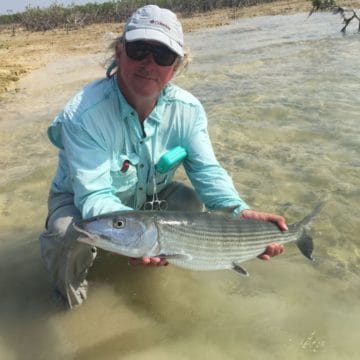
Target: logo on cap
<point>156,22</point>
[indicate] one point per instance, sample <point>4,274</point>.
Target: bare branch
<point>348,15</point>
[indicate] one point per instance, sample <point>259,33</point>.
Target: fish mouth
<point>85,236</point>
<point>103,242</point>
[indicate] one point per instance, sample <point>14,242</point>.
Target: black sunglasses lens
<point>164,56</point>
<point>138,50</point>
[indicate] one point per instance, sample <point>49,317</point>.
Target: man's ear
<point>118,50</point>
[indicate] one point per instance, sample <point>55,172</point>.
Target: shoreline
<point>27,51</point>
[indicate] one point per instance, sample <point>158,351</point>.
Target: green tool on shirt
<point>170,159</point>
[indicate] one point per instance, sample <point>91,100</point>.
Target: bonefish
<point>193,240</point>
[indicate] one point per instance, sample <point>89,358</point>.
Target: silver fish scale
<point>217,242</point>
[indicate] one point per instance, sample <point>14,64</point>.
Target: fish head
<point>125,233</point>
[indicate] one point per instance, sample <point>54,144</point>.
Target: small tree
<point>348,15</point>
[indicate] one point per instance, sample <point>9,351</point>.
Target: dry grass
<point>27,51</point>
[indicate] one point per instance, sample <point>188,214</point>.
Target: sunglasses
<point>139,50</point>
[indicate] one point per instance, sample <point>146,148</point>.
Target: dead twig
<point>348,20</point>
<point>348,15</point>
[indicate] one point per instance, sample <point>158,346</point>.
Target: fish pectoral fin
<point>182,257</point>
<point>239,269</point>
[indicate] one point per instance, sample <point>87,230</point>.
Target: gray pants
<point>67,260</point>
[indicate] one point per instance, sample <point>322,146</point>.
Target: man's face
<point>141,78</point>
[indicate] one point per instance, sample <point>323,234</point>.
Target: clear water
<point>282,97</point>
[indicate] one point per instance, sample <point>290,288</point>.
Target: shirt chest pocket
<point>123,172</point>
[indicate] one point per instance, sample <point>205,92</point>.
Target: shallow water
<point>282,97</point>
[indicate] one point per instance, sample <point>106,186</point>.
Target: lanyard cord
<point>155,203</point>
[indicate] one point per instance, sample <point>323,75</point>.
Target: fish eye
<point>119,223</point>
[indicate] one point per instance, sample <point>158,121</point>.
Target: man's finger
<point>271,250</point>
<point>147,261</point>
<point>282,224</point>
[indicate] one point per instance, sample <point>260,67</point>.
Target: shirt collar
<point>125,109</point>
<point>157,113</point>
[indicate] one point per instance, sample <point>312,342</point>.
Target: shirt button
<point>141,142</point>
<point>142,165</point>
<point>140,188</point>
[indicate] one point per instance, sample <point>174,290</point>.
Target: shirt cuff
<point>240,209</point>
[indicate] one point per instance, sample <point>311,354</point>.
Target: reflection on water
<point>282,97</point>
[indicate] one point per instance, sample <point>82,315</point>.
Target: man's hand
<point>272,249</point>
<point>147,261</point>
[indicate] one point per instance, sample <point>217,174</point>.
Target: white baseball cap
<point>153,23</point>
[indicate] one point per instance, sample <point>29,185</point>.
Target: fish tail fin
<point>309,218</point>
<point>305,244</point>
<point>305,241</point>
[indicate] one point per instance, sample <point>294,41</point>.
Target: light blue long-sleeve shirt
<point>98,133</point>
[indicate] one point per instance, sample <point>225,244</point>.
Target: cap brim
<point>154,35</point>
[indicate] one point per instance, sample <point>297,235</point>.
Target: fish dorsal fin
<point>239,269</point>
<point>309,218</point>
<point>229,210</point>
